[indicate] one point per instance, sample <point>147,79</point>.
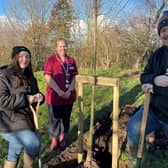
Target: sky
<point>4,5</point>
<point>81,22</point>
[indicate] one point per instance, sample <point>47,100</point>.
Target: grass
<point>156,159</point>
<point>130,93</point>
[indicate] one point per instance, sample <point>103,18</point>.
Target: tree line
<point>125,38</point>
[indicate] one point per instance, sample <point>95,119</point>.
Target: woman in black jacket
<point>18,89</point>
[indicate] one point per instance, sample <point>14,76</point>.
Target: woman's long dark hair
<point>21,78</point>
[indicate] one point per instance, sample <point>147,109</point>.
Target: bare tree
<point>153,10</point>
<point>107,13</point>
<point>7,39</point>
<point>29,20</point>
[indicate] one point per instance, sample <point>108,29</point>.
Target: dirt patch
<point>102,144</point>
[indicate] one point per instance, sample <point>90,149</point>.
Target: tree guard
<point>105,81</point>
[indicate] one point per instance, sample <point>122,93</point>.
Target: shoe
<point>62,142</point>
<point>53,144</point>
<point>61,137</point>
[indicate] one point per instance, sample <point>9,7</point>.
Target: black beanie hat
<point>163,21</point>
<point>17,49</point>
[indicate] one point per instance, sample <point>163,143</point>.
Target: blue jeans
<point>134,124</point>
<point>26,139</point>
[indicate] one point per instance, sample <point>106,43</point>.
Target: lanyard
<point>65,68</point>
<point>66,71</point>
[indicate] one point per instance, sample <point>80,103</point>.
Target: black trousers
<point>59,119</point>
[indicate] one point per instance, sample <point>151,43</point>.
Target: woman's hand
<point>35,98</point>
<point>60,93</point>
<point>30,99</point>
<point>67,94</point>
<point>38,97</point>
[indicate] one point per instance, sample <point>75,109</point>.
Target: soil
<point>67,158</point>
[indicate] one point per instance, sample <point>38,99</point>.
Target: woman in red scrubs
<point>60,71</point>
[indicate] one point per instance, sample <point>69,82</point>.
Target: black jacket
<point>157,65</point>
<point>15,113</point>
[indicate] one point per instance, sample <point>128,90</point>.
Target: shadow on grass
<point>131,96</point>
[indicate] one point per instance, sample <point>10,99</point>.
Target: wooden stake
<point>142,129</point>
<point>80,123</point>
<point>115,127</point>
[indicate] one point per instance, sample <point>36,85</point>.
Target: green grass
<point>156,159</point>
<point>130,93</point>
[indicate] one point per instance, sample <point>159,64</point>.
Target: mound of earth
<point>67,158</point>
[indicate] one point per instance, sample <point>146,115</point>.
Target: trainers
<point>53,144</point>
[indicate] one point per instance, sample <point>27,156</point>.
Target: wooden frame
<point>105,81</point>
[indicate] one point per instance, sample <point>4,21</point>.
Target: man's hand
<point>145,87</point>
<point>161,80</point>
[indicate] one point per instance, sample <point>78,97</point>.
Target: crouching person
<point>155,75</point>
<point>18,89</point>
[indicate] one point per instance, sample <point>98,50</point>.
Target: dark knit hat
<point>17,49</point>
<point>163,21</point>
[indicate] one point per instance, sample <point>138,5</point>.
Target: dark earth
<point>67,158</point>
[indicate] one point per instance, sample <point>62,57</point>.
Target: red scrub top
<point>58,70</point>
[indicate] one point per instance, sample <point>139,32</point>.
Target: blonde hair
<point>61,39</point>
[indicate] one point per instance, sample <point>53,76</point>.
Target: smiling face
<point>23,59</point>
<point>164,35</point>
<point>62,47</point>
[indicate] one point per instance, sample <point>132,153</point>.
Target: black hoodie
<point>157,65</point>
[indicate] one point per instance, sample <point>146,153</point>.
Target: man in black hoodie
<point>155,76</point>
